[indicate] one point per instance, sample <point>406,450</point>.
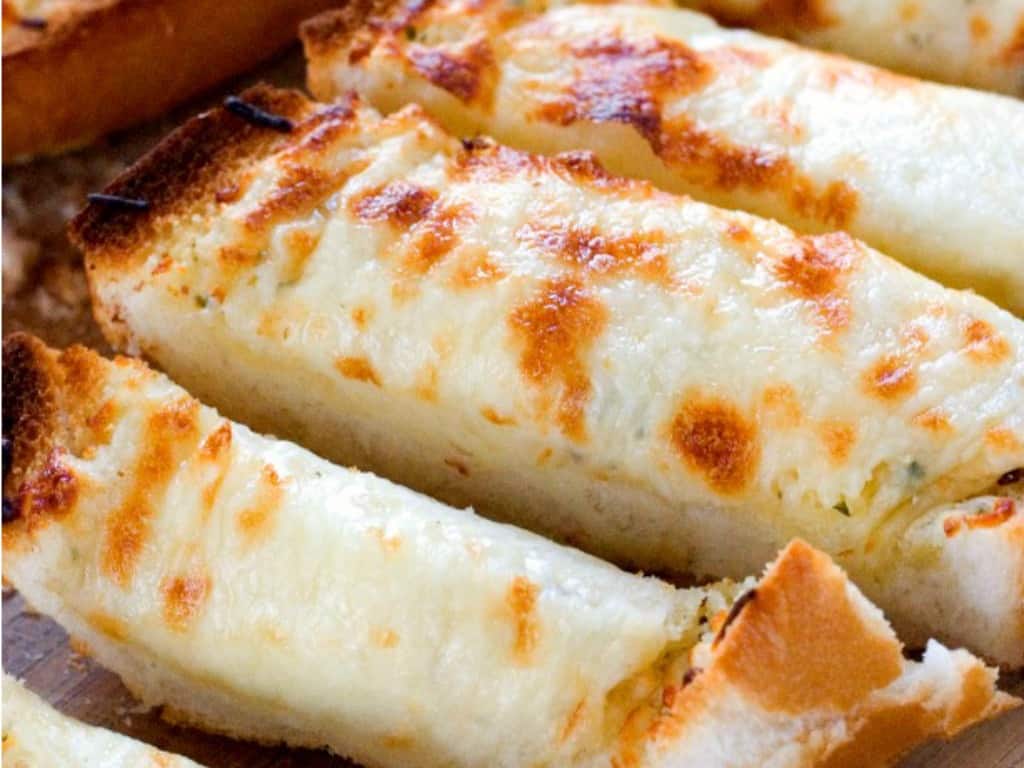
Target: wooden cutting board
<point>36,650</point>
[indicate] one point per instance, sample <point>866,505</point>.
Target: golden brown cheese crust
<point>95,67</point>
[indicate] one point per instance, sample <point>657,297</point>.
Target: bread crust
<point>102,66</point>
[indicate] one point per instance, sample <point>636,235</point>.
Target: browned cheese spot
<point>475,269</point>
<point>594,253</point>
<point>256,521</point>
<point>934,420</point>
<point>299,246</point>
<point>893,377</point>
<point>781,405</point>
<point>625,82</point>
<point>299,189</point>
<point>361,317</point>
<point>1002,439</point>
<point>215,452</point>
<point>839,438</point>
<point>468,74</point>
<point>184,597</point>
<point>816,271</point>
<point>302,186</point>
<point>385,638</point>
<point>169,434</point>
<point>435,236</point>
<point>48,492</point>
<point>983,343</point>
<point>496,418</point>
<point>712,160</point>
<point>717,441</point>
<point>629,82</point>
<point>358,368</point>
<point>981,27</point>
<point>521,601</point>
<point>398,203</point>
<point>556,329</point>
<point>426,383</point>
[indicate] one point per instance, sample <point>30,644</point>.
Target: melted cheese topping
<point>406,631</point>
<point>980,44</point>
<point>715,358</point>
<point>928,174</point>
<point>37,736</point>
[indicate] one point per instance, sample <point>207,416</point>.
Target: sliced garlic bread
<point>35,735</point>
<point>930,175</point>
<point>666,384</point>
<point>966,43</point>
<point>74,70</point>
<point>255,589</point>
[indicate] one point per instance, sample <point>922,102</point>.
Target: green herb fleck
<point>201,301</point>
<point>410,33</point>
<point>915,471</point>
<point>841,508</point>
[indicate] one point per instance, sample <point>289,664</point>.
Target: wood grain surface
<point>46,295</point>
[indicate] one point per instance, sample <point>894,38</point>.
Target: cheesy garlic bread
<point>928,174</point>
<point>74,70</point>
<point>254,589</point>
<point>663,383</point>
<point>35,735</point>
<point>980,44</point>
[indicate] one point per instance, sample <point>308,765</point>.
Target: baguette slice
<point>666,384</point>
<point>255,589</point>
<point>968,43</point>
<point>35,735</point>
<point>930,175</point>
<point>74,70</point>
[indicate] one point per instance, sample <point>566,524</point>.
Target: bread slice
<point>975,44</point>
<point>666,384</point>
<point>74,70</point>
<point>928,174</point>
<point>35,735</point>
<point>255,589</point>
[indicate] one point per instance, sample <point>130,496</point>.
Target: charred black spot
<point>119,201</point>
<point>260,117</point>
<point>691,675</point>
<point>1008,478</point>
<point>734,612</point>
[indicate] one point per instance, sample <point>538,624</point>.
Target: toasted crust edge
<point>119,59</point>
<point>757,659</point>
<point>186,167</point>
<point>30,406</point>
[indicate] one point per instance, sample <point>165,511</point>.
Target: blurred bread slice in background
<point>74,70</point>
